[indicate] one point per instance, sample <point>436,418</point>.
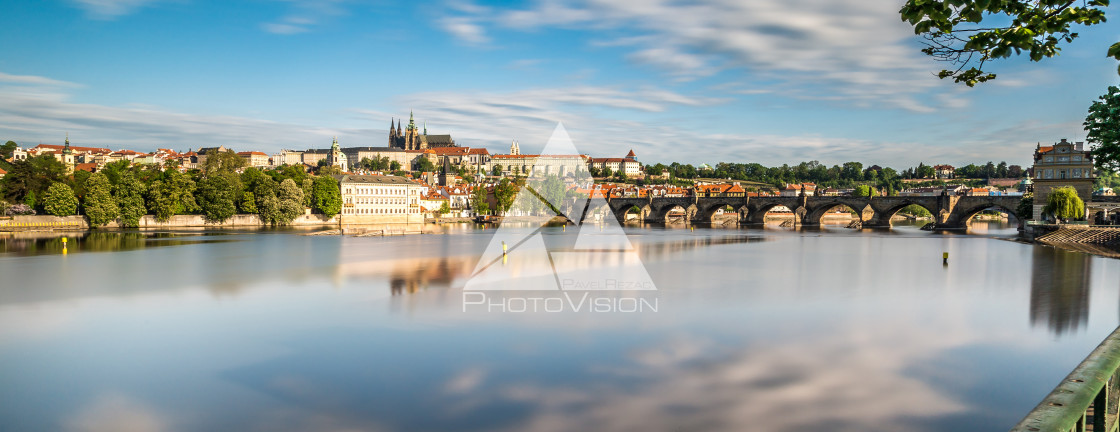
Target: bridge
<point>950,212</point>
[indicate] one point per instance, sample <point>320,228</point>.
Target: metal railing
<point>1086,400</point>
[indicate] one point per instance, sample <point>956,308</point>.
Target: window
<point>1063,158</point>
<point>1049,173</point>
<point>1048,158</point>
<point>1077,158</point>
<point>1076,173</point>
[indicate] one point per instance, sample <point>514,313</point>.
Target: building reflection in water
<point>1060,289</point>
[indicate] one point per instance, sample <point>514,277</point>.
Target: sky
<point>767,81</point>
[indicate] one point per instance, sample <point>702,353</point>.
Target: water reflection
<point>1060,289</point>
<point>54,243</point>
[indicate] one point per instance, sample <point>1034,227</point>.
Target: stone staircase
<point>1109,236</point>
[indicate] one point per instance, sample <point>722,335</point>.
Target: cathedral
<point>412,139</point>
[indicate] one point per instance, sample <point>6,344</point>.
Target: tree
<point>289,202</point>
<point>307,187</point>
<point>505,193</point>
<point>425,165</point>
<point>606,172</point>
<point>29,178</point>
<point>444,209</point>
<point>394,165</point>
<point>171,195</point>
<point>496,170</point>
<point>130,200</point>
<point>99,203</point>
<point>222,161</point>
<point>326,197</point>
<point>217,195</point>
<point>480,201</point>
<point>248,203</point>
<point>964,32</point>
<point>1064,203</point>
<point>863,191</point>
<point>60,200</point>
<point>8,149</point>
<point>1103,125</point>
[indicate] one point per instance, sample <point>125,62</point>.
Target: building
<point>540,165</point>
<point>200,155</point>
<point>380,199</point>
<point>412,139</point>
<point>1062,164</point>
<point>336,158</point>
<point>628,165</point>
<point>943,171</point>
<point>254,158</point>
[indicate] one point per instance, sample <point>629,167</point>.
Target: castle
<point>412,139</point>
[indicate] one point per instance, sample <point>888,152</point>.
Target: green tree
<point>99,203</point>
<point>967,32</point>
<point>289,202</point>
<point>425,165</point>
<point>130,199</point>
<point>29,179</point>
<point>113,170</point>
<point>217,195</point>
<point>171,195</point>
<point>326,197</point>
<point>222,161</point>
<point>307,187</point>
<point>505,193</point>
<point>1064,203</point>
<point>496,170</point>
<point>863,191</point>
<point>606,172</point>
<point>1103,125</point>
<point>8,149</point>
<point>394,165</point>
<point>60,200</point>
<point>248,203</point>
<point>480,201</point>
<point>444,208</point>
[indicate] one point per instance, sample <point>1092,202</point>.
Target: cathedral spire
<point>411,121</point>
<point>66,148</point>
<point>425,127</point>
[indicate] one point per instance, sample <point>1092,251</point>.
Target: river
<point>752,329</point>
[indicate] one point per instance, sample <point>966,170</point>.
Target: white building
<point>380,199</point>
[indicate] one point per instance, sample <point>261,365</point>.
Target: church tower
<point>411,134</point>
<point>336,157</point>
<point>514,149</point>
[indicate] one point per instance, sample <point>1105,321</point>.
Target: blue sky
<point>773,82</point>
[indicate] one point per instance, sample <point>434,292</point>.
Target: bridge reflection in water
<point>950,212</point>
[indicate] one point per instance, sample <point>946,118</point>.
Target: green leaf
<point>1114,51</point>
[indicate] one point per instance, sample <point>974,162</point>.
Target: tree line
<point>848,175</point>
<point>125,192</point>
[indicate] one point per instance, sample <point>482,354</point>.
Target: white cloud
<point>603,121</point>
<point>110,9</point>
<point>304,15</point>
<point>850,50</point>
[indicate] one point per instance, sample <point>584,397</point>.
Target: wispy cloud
<point>850,50</point>
<point>604,121</point>
<point>304,15</point>
<point>111,9</point>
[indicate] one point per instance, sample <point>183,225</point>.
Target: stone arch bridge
<point>949,211</point>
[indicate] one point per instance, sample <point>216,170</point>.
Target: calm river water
<point>755,329</point>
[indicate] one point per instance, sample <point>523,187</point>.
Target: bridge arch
<point>757,214</point>
<point>967,214</point>
<point>814,215</point>
<point>706,210</point>
<point>883,216</point>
